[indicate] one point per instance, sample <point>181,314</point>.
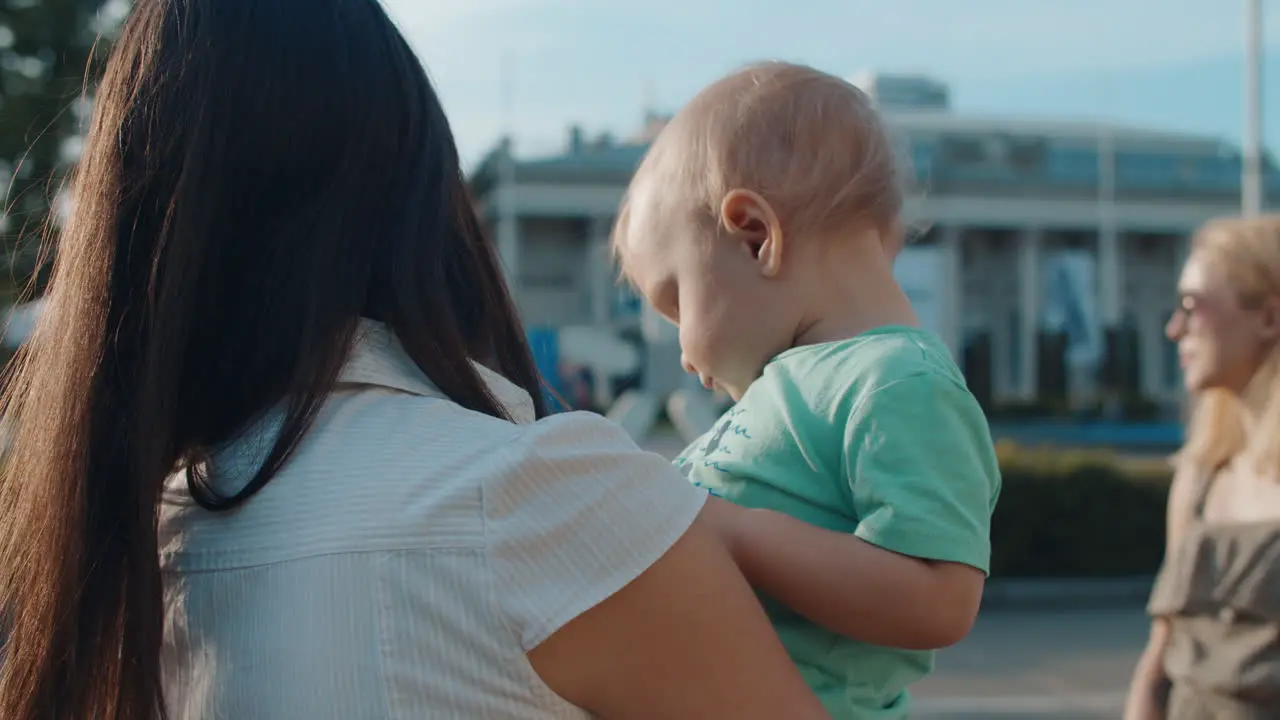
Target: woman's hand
<point>1145,708</point>
<point>1149,689</point>
<point>1146,700</point>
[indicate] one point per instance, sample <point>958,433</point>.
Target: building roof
<point>961,154</point>
<point>1059,130</point>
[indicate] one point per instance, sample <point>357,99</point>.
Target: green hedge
<point>1078,514</point>
<point>1131,407</point>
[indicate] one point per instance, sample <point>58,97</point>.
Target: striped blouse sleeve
<point>579,513</point>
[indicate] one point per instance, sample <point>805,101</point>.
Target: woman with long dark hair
<point>278,445</point>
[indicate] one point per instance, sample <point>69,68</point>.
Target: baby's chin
<point>736,375</point>
<point>735,390</point>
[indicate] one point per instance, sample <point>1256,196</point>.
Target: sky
<point>534,67</point>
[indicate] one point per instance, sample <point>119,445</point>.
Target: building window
<point>626,303</point>
<point>1027,155</point>
<point>964,150</point>
<point>1172,372</point>
<point>1015,347</point>
<point>547,280</point>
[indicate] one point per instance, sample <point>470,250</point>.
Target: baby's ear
<point>751,221</point>
<point>896,237</point>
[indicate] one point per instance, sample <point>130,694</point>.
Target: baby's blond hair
<point>809,143</point>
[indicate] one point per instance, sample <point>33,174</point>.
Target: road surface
<point>1071,665</point>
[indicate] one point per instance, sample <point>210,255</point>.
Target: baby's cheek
<point>692,347</point>
<point>735,355</point>
<point>700,348</point>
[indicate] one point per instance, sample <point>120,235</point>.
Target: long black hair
<point>258,176</point>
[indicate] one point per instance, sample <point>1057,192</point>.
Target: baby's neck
<point>845,316</point>
<point>850,290</point>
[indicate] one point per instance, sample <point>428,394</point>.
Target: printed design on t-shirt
<point>710,451</point>
<point>683,465</point>
<point>721,440</point>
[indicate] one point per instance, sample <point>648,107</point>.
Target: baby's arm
<point>924,478</point>
<point>854,588</point>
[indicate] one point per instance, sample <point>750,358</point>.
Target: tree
<point>46,49</point>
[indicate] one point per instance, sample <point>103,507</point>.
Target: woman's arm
<point>624,601</point>
<point>1149,688</point>
<point>685,639</point>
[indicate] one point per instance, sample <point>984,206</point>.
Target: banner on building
<point>1070,282</point>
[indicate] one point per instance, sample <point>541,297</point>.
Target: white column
<point>1085,382</point>
<point>1029,293</point>
<point>600,267</point>
<point>949,241</point>
<point>508,218</point>
<point>1110,259</point>
<point>1110,277</point>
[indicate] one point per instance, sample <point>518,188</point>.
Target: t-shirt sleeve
<point>579,513</point>
<point>922,468</point>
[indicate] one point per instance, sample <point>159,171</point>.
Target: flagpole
<point>1251,185</point>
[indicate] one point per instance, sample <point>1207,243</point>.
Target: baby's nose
<point>1176,327</point>
<point>688,367</point>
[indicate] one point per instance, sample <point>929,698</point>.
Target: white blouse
<point>408,557</point>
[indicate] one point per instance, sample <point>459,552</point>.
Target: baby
<point>857,472</point>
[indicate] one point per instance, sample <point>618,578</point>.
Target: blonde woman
<point>1214,650</point>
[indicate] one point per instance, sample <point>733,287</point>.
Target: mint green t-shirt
<point>877,436</point>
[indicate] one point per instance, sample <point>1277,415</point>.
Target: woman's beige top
<point>408,557</point>
<point>1220,591</point>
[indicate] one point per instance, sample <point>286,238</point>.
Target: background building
<point>1047,258</point>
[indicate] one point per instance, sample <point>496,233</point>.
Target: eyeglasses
<point>1187,304</point>
<point>1190,304</point>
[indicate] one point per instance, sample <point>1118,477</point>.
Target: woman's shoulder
<point>1187,490</point>
<point>577,512</point>
<point>581,454</point>
<point>421,472</point>
<point>417,435</point>
<point>576,432</point>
